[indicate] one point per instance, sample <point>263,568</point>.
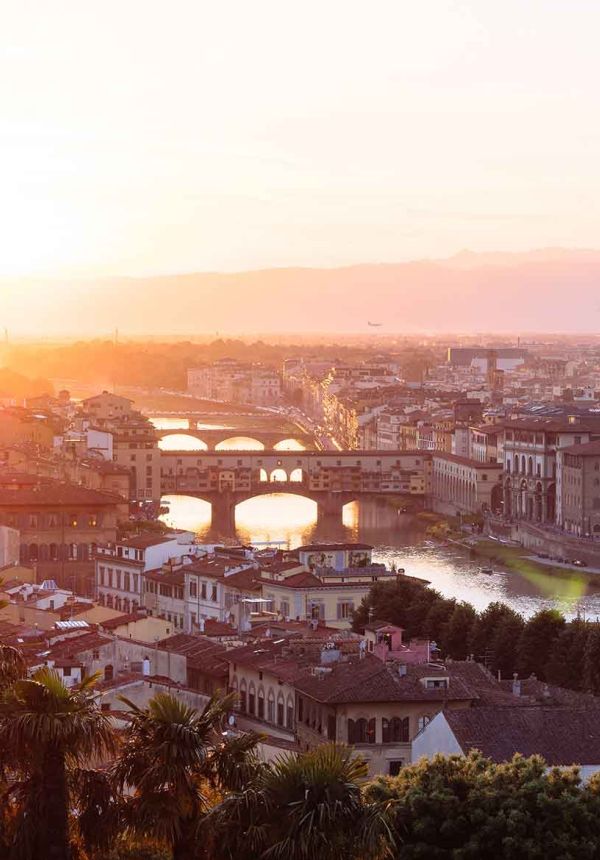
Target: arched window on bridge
<point>296,476</point>
<point>278,476</point>
<point>263,476</point>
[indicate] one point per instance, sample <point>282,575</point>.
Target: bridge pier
<point>329,508</point>
<point>223,514</point>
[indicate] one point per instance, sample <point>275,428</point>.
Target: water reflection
<point>398,539</point>
<point>181,442</point>
<point>186,512</point>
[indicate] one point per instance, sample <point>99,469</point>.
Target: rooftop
<point>563,736</point>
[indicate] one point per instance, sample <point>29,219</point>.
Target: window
<point>66,671</point>
<point>251,703</point>
<point>394,766</point>
<point>193,588</point>
<point>422,722</point>
<point>203,591</point>
<point>331,727</point>
<point>395,730</point>
<point>271,711</point>
<point>279,713</point>
<point>213,596</point>
<point>290,716</point>
<point>261,705</point>
<point>243,701</point>
<point>300,708</point>
<point>345,609</point>
<point>436,683</point>
<point>361,731</point>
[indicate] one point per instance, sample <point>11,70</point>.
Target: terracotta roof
<point>119,620</point>
<point>245,580</point>
<point>370,680</point>
<point>563,736</point>
<point>170,577</point>
<point>200,653</point>
<point>68,648</point>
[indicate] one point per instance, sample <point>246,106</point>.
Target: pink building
<point>385,642</point>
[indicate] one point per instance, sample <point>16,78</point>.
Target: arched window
<point>33,552</point>
<point>53,552</point>
<point>243,696</point>
<point>251,700</point>
<point>361,731</point>
<point>395,730</point>
<point>261,704</point>
<point>290,712</point>
<point>271,707</point>
<point>280,710</point>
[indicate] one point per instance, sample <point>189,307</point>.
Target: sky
<point>141,137</point>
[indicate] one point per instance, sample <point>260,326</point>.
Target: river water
<point>400,539</point>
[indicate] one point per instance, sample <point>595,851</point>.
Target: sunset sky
<point>142,137</point>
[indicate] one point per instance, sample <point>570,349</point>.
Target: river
<point>398,539</point>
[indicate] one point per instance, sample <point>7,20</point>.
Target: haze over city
<point>299,430</point>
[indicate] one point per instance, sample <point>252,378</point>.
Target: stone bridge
<point>331,479</point>
<point>269,439</point>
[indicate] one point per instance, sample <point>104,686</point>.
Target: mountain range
<point>547,290</point>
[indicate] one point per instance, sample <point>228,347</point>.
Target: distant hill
<point>551,289</point>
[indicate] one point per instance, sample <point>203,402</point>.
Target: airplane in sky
<point>374,325</point>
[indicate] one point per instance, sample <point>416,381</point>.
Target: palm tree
<point>303,807</point>
<point>48,731</point>
<point>12,666</point>
<point>175,758</point>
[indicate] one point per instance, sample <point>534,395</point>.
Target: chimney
<point>516,685</point>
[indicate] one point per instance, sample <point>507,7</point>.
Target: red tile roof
<point>562,736</point>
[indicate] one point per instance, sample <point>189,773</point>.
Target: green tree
<point>305,807</point>
<point>468,807</point>
<point>591,661</point>
<point>505,644</point>
<point>566,661</point>
<point>456,635</point>
<point>537,641</point>
<point>173,758</point>
<point>47,733</point>
<point>486,627</point>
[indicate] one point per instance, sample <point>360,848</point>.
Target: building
<point>120,566</point>
<point>530,448</point>
<point>462,485</point>
<point>236,382</point>
<point>107,407</point>
<point>578,488</point>
<point>60,526</point>
<point>563,736</point>
<point>481,358</point>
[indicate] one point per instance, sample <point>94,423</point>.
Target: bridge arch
<point>290,444</point>
<point>240,443</point>
<point>181,441</point>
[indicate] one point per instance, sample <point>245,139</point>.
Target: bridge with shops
<point>330,478</point>
<point>269,439</point>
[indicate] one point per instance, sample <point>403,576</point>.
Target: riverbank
<point>517,558</point>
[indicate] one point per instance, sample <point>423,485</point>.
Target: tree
<point>304,807</point>
<point>469,807</point>
<point>566,661</point>
<point>456,635</point>
<point>173,757</point>
<point>537,640</point>
<point>48,732</point>
<point>486,627</point>
<point>591,661</point>
<point>505,644</point>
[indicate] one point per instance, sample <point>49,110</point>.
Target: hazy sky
<point>149,137</point>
